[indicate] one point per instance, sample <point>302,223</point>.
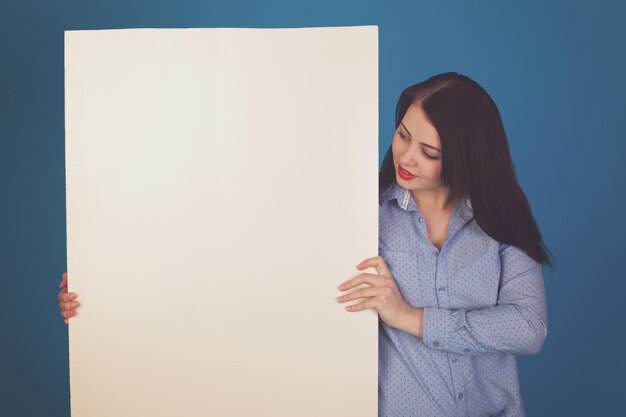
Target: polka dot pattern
<point>484,303</point>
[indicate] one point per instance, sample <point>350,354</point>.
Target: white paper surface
<point>220,184</point>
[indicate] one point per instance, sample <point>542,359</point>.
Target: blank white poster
<point>220,184</point>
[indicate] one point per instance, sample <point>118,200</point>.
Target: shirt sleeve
<point>517,324</point>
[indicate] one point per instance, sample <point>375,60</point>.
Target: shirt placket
<point>442,299</point>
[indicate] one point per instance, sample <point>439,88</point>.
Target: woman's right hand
<point>67,300</point>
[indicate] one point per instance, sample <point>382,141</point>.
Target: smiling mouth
<point>404,173</point>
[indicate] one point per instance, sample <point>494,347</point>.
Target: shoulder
<point>515,261</point>
<point>503,247</point>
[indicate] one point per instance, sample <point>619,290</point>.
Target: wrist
<point>414,321</point>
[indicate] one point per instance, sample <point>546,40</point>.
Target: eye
<point>402,135</point>
<point>429,156</point>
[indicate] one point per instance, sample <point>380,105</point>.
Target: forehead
<point>419,127</point>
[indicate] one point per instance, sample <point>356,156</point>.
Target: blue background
<point>555,69</point>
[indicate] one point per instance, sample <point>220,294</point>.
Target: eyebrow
<point>425,144</point>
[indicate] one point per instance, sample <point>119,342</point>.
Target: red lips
<point>404,173</point>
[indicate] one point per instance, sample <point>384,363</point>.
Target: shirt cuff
<point>436,328</point>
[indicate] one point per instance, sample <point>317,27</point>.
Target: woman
<point>459,286</point>
<point>459,289</point>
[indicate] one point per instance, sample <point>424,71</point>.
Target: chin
<point>400,179</point>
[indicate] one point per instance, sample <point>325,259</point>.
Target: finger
<point>66,321</point>
<point>69,305</point>
<point>360,293</point>
<point>68,313</point>
<point>364,277</point>
<point>63,280</point>
<point>368,303</point>
<point>376,262</point>
<point>64,295</point>
<point>70,296</point>
<point>63,291</point>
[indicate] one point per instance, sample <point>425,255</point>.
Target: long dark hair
<point>476,161</point>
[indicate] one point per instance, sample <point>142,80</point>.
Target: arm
<point>517,324</point>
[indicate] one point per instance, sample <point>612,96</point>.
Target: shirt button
<point>466,350</point>
<point>435,343</point>
<point>460,396</point>
<point>420,220</point>
<point>442,288</point>
<point>454,360</point>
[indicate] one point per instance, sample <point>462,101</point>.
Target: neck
<point>432,201</point>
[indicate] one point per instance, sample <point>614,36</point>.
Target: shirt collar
<point>463,211</point>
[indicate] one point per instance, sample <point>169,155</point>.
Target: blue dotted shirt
<point>484,302</point>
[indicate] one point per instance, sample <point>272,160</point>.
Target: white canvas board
<point>221,182</point>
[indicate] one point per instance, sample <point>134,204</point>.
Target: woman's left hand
<point>382,295</point>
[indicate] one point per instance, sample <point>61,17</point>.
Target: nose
<point>407,159</point>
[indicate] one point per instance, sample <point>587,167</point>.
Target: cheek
<point>395,150</point>
<point>394,145</point>
<point>431,170</point>
<point>398,148</point>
